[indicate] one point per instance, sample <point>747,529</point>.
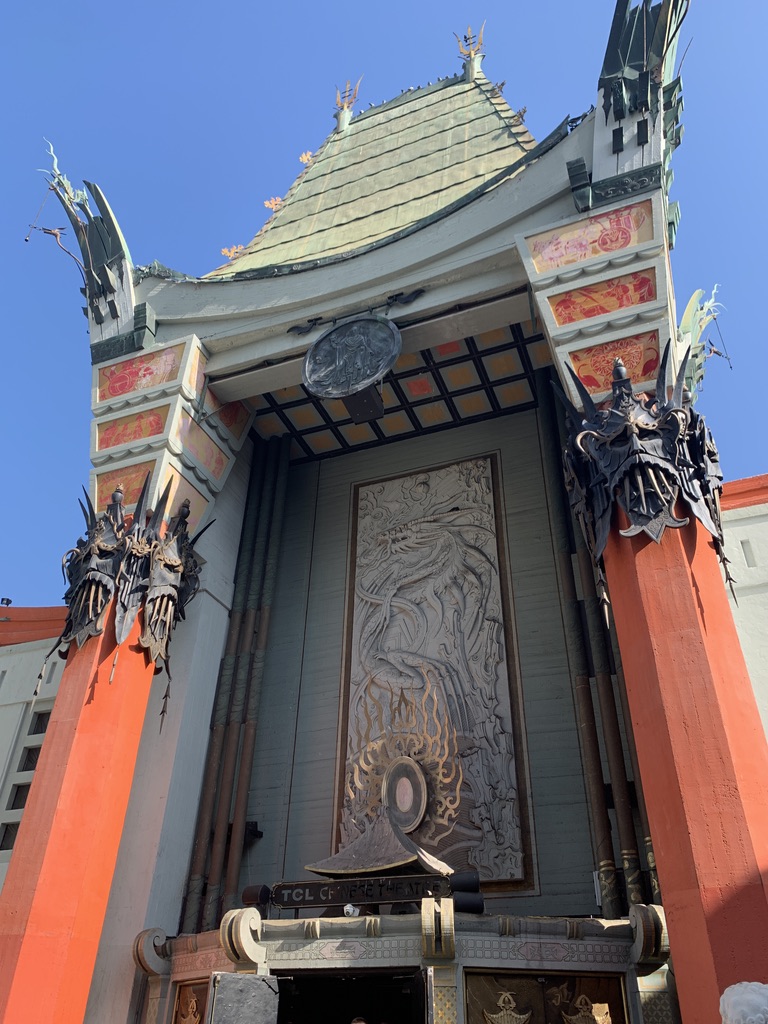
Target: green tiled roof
<point>393,167</point>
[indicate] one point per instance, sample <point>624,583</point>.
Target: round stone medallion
<point>351,356</point>
<point>404,793</point>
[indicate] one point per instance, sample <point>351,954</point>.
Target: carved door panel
<point>544,999</point>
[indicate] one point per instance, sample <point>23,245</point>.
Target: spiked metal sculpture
<point>137,564</point>
<point>642,453</point>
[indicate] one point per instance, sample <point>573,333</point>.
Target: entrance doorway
<point>331,997</point>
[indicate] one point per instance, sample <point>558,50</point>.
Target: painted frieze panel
<point>136,427</point>
<point>544,999</point>
<point>192,437</point>
<point>603,297</point>
<point>430,688</point>
<point>601,235</point>
<point>183,490</point>
<point>130,478</point>
<point>594,365</point>
<point>140,373</point>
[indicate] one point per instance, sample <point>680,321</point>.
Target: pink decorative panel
<point>132,428</point>
<point>196,371</point>
<point>200,445</point>
<point>604,297</point>
<point>181,488</point>
<point>140,372</point>
<point>596,236</point>
<point>234,416</point>
<point>594,365</point>
<point>130,477</point>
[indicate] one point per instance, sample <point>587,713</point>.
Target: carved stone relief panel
<point>543,999</point>
<point>191,1002</point>
<point>429,724</point>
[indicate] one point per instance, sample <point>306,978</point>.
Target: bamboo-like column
<point>576,648</point>
<point>609,717</point>
<point>196,883</point>
<point>239,697</point>
<point>245,770</point>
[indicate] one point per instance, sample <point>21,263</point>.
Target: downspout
<point>239,696</point>
<point>559,518</point>
<point>255,684</point>
<point>196,883</point>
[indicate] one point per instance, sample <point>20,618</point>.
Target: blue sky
<point>190,116</point>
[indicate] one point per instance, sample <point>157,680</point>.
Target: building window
<point>15,787</point>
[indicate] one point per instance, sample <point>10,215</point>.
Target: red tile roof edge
<point>752,490</point>
<point>25,625</point>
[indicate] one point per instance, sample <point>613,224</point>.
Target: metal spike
<point>157,516</point>
<point>641,487</point>
<point>200,533</point>
<point>654,482</point>
<point>590,409</point>
<point>677,394</point>
<point>567,403</point>
<point>140,514</point>
<point>661,380</point>
<point>91,521</point>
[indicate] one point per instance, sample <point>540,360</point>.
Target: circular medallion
<point>404,793</point>
<point>351,356</point>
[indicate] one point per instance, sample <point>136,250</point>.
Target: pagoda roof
<point>393,168</point>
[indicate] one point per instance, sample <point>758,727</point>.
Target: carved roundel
<point>404,792</point>
<point>351,356</point>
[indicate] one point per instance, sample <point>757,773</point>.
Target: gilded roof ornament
<point>470,47</point>
<point>347,99</point>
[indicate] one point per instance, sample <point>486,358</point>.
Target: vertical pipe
<point>650,857</point>
<point>630,858</point>
<point>196,884</point>
<point>577,652</point>
<point>239,695</point>
<point>255,683</point>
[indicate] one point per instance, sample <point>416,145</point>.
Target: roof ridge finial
<point>344,103</point>
<point>471,52</point>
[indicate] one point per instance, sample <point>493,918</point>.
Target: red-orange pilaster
<point>54,900</point>
<point>703,759</point>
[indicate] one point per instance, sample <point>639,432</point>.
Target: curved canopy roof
<point>394,167</point>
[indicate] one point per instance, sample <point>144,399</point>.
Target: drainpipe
<point>255,684</point>
<point>239,696</point>
<point>196,883</point>
<point>559,517</point>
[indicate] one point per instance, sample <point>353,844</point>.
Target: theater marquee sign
<point>431,693</point>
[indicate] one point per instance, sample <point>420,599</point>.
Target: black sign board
<point>336,892</point>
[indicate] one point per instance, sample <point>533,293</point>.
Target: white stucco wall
<point>19,668</point>
<point>746,545</point>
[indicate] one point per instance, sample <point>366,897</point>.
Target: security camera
<point>351,911</point>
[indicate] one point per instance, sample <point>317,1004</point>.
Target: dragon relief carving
<point>428,674</point>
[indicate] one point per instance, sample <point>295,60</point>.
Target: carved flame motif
<point>405,725</point>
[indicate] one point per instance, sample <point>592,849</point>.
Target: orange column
<point>54,900</point>
<point>703,759</point>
